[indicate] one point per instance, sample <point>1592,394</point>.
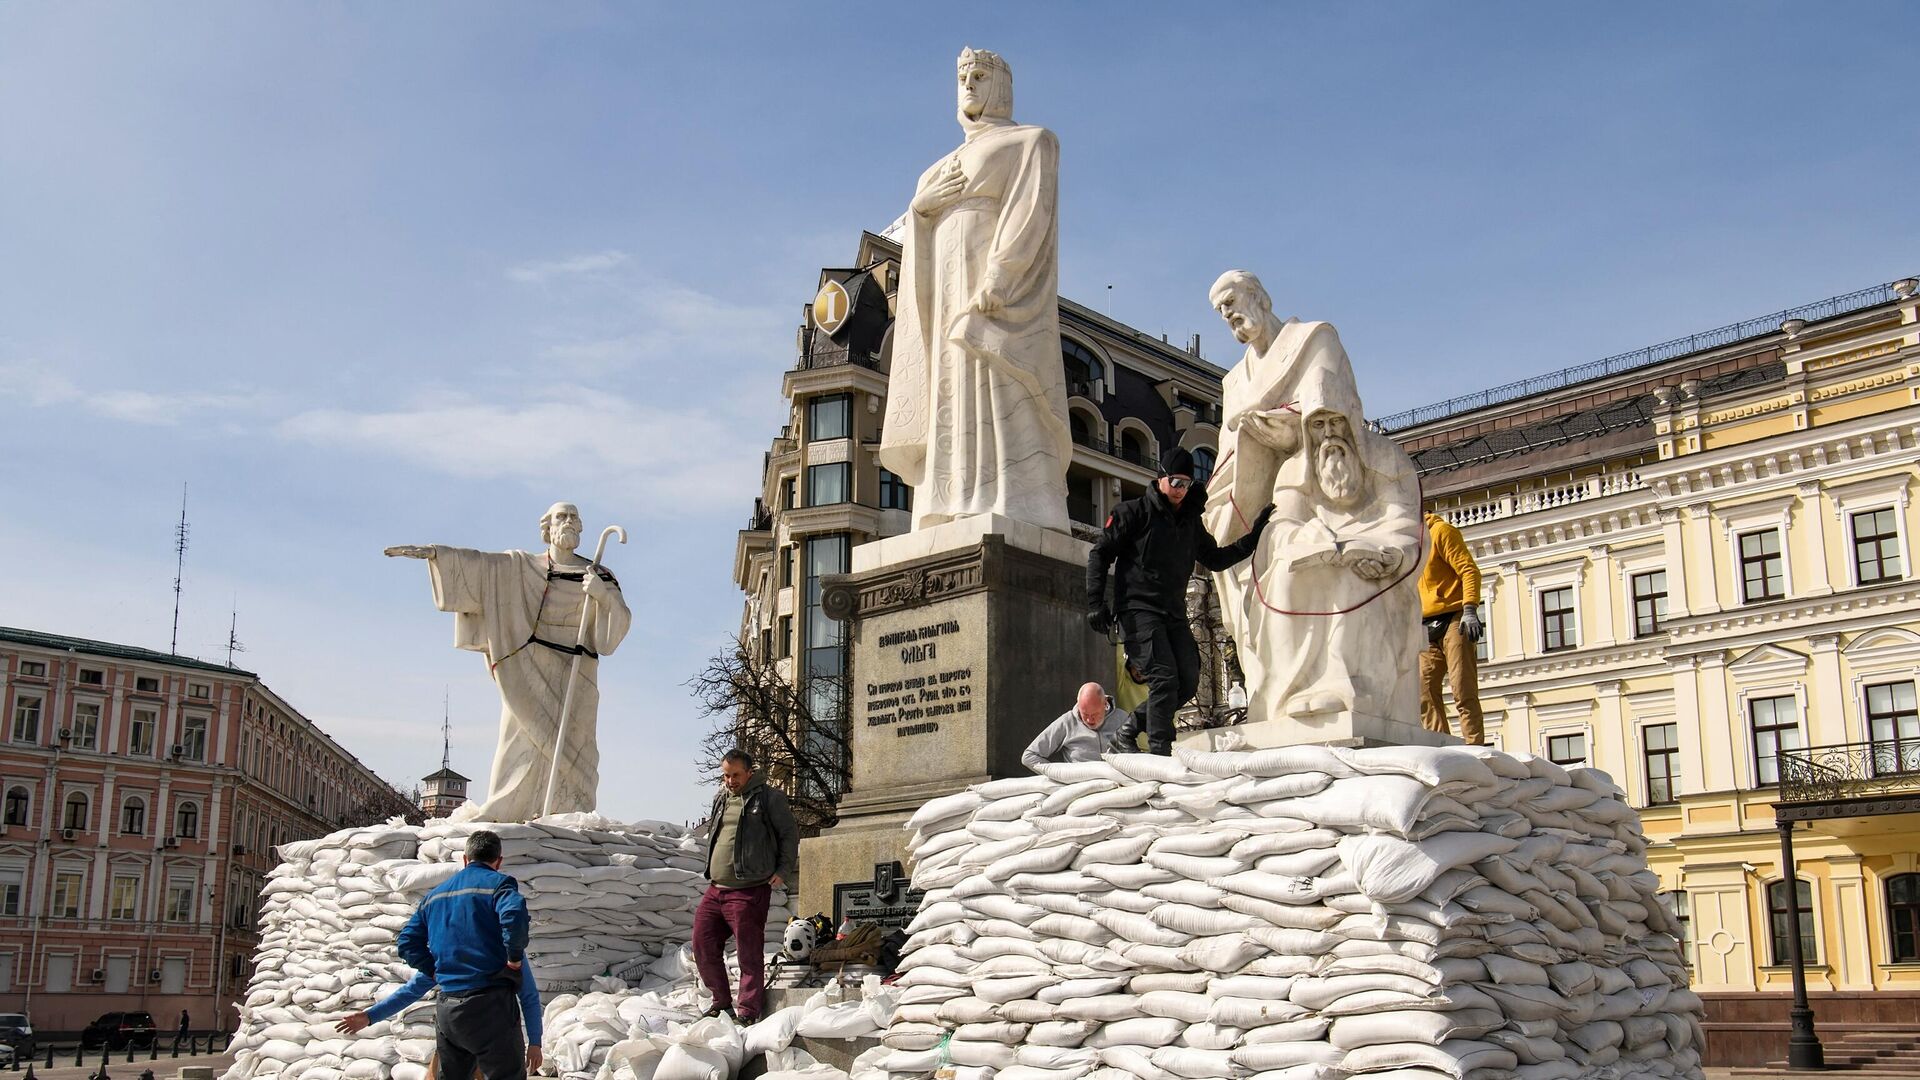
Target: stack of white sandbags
<point>1302,913</point>
<point>604,899</point>
<point>642,1034</point>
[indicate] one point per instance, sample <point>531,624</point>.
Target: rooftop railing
<point>1652,354</point>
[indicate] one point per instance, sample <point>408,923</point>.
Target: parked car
<point>17,1033</point>
<point>8,1059</point>
<point>118,1030</point>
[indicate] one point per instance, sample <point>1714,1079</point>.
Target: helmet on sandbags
<point>800,939</point>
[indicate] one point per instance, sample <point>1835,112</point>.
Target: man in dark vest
<point>1152,543</point>
<point>753,847</point>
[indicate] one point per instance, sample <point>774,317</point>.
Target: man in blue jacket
<point>422,983</point>
<point>470,936</point>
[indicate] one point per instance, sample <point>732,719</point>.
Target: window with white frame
<point>1558,626</point>
<point>179,900</point>
<point>193,738</point>
<point>33,669</point>
<point>1762,566</point>
<point>86,725</point>
<point>26,718</point>
<point>1649,602</point>
<point>1876,546</point>
<point>146,684</point>
<point>186,821</point>
<point>140,733</point>
<point>19,805</point>
<point>13,884</point>
<point>67,887</point>
<point>200,691</point>
<point>133,816</point>
<point>1783,917</point>
<point>1567,748</point>
<point>1660,752</point>
<point>1776,727</point>
<point>124,898</point>
<point>1893,725</point>
<point>77,805</point>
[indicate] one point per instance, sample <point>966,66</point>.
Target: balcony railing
<point>827,355</point>
<point>1593,487</point>
<point>761,519</point>
<point>1868,770</point>
<point>1116,448</point>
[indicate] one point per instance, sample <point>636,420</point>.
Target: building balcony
<point>829,355</point>
<point>1850,779</point>
<point>1599,486</point>
<point>1116,448</point>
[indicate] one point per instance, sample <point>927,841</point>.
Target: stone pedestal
<point>963,641</point>
<point>1330,729</point>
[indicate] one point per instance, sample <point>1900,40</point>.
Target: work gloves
<point>1470,624</point>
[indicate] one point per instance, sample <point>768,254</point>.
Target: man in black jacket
<point>753,847</point>
<point>1152,543</point>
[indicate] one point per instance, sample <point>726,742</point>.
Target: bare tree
<point>797,734</point>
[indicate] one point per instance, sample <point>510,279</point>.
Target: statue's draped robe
<point>1365,658</point>
<point>976,403</point>
<point>496,598</point>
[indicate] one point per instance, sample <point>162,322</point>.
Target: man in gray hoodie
<point>1080,734</point>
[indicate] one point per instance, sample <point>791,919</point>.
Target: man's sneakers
<point>746,1019</point>
<point>716,1010</point>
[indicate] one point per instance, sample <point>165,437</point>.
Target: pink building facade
<point>141,795</point>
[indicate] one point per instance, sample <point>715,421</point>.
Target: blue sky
<point>362,274</point>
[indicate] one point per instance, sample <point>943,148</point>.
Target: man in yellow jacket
<point>1450,611</point>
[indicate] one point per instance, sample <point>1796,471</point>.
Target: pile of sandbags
<point>1303,913</point>
<point>605,900</point>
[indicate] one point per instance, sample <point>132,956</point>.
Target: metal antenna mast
<point>446,731</point>
<point>179,568</point>
<point>233,634</point>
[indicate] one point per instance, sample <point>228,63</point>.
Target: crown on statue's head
<point>983,58</point>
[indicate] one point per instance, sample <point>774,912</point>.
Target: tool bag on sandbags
<point>860,946</point>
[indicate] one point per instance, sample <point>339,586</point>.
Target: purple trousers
<point>742,915</point>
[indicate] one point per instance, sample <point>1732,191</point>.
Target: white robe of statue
<point>501,601</point>
<point>1304,654</point>
<point>976,401</point>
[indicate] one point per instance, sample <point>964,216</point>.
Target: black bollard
<point>146,1074</point>
<point>29,1070</point>
<point>106,1052</point>
<point>79,1051</point>
<point>193,1045</point>
<point>176,1046</point>
<point>129,1051</point>
<point>153,1048</point>
<point>49,1055</point>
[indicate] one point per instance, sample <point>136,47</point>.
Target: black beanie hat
<point>1176,462</point>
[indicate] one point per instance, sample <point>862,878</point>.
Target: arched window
<point>19,804</point>
<point>77,806</point>
<point>1202,463</point>
<point>133,816</point>
<point>1084,370</point>
<point>186,821</point>
<point>1903,918</point>
<point>1080,426</point>
<point>1781,919</point>
<point>1133,448</point>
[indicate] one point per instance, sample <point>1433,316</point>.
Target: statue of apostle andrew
<point>976,402</point>
<point>524,611</point>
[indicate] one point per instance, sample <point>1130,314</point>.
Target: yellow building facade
<point>1697,570</point>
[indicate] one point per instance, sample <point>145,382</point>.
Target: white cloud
<point>687,459</point>
<point>535,273</point>
<point>44,387</point>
